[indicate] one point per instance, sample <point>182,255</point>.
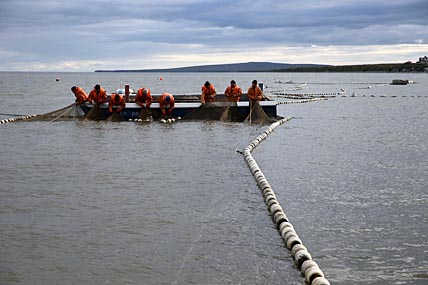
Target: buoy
<point>289,234</point>
<point>57,79</point>
<point>130,120</point>
<point>312,273</point>
<point>320,281</point>
<point>308,264</point>
<point>163,121</point>
<point>301,256</point>
<point>280,218</point>
<point>160,78</point>
<point>296,248</point>
<point>271,202</point>
<point>285,227</point>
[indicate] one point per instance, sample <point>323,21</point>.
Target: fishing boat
<point>184,105</point>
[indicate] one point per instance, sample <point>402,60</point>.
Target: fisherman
<point>116,104</point>
<point>166,104</point>
<point>254,92</point>
<point>144,98</point>
<point>233,92</point>
<point>98,95</point>
<point>81,96</point>
<point>208,93</point>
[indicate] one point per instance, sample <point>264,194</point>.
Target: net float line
<point>302,258</point>
<point>11,120</point>
<point>300,101</point>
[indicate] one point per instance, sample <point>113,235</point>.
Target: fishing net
<point>208,111</point>
<point>115,117</point>
<point>257,115</point>
<point>232,114</point>
<point>144,113</point>
<point>68,112</point>
<point>95,114</point>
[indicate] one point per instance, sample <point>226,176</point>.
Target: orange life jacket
<point>255,94</point>
<point>141,99</point>
<point>81,95</point>
<point>120,104</point>
<point>100,97</point>
<point>233,94</point>
<point>207,93</point>
<point>166,107</point>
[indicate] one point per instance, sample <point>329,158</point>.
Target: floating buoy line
<point>302,258</point>
<point>11,120</point>
<point>300,101</point>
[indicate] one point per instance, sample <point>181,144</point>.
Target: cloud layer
<point>84,35</point>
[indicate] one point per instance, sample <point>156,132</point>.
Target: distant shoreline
<point>284,67</point>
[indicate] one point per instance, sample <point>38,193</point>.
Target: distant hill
<point>233,67</point>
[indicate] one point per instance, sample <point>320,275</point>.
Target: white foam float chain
<point>303,259</point>
<point>11,120</point>
<point>300,101</point>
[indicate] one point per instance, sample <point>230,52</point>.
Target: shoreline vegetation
<point>384,67</point>
<point>285,67</point>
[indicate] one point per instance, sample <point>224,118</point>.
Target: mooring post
<point>126,93</point>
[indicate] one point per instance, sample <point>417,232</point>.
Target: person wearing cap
<point>254,92</point>
<point>208,93</point>
<point>166,104</point>
<point>233,92</point>
<point>97,95</point>
<point>116,103</point>
<point>144,98</point>
<point>81,96</point>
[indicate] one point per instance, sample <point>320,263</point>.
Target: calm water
<point>131,203</point>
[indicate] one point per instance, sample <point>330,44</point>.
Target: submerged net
<point>68,112</point>
<point>257,115</point>
<point>232,114</point>
<point>144,113</point>
<point>115,117</point>
<point>208,111</point>
<point>95,114</point>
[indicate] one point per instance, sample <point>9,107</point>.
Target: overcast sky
<point>84,35</point>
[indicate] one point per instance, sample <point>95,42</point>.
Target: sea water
<point>149,203</point>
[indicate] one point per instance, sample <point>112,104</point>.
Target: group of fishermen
<point>98,95</point>
<point>166,101</point>
<point>233,92</point>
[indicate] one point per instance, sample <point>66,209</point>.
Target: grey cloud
<point>100,29</point>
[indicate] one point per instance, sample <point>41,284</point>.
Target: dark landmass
<point>286,67</point>
<point>384,67</point>
<point>233,67</point>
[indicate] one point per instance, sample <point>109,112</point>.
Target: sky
<point>86,35</point>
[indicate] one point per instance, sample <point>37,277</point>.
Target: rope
<point>303,259</point>
<point>66,111</point>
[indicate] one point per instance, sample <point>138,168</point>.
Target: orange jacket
<point>233,94</point>
<point>100,97</point>
<point>118,103</point>
<point>208,94</point>
<point>81,95</point>
<point>142,99</point>
<point>255,94</point>
<point>166,107</point>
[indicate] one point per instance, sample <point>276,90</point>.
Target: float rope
<point>300,101</point>
<point>10,120</point>
<point>302,258</point>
